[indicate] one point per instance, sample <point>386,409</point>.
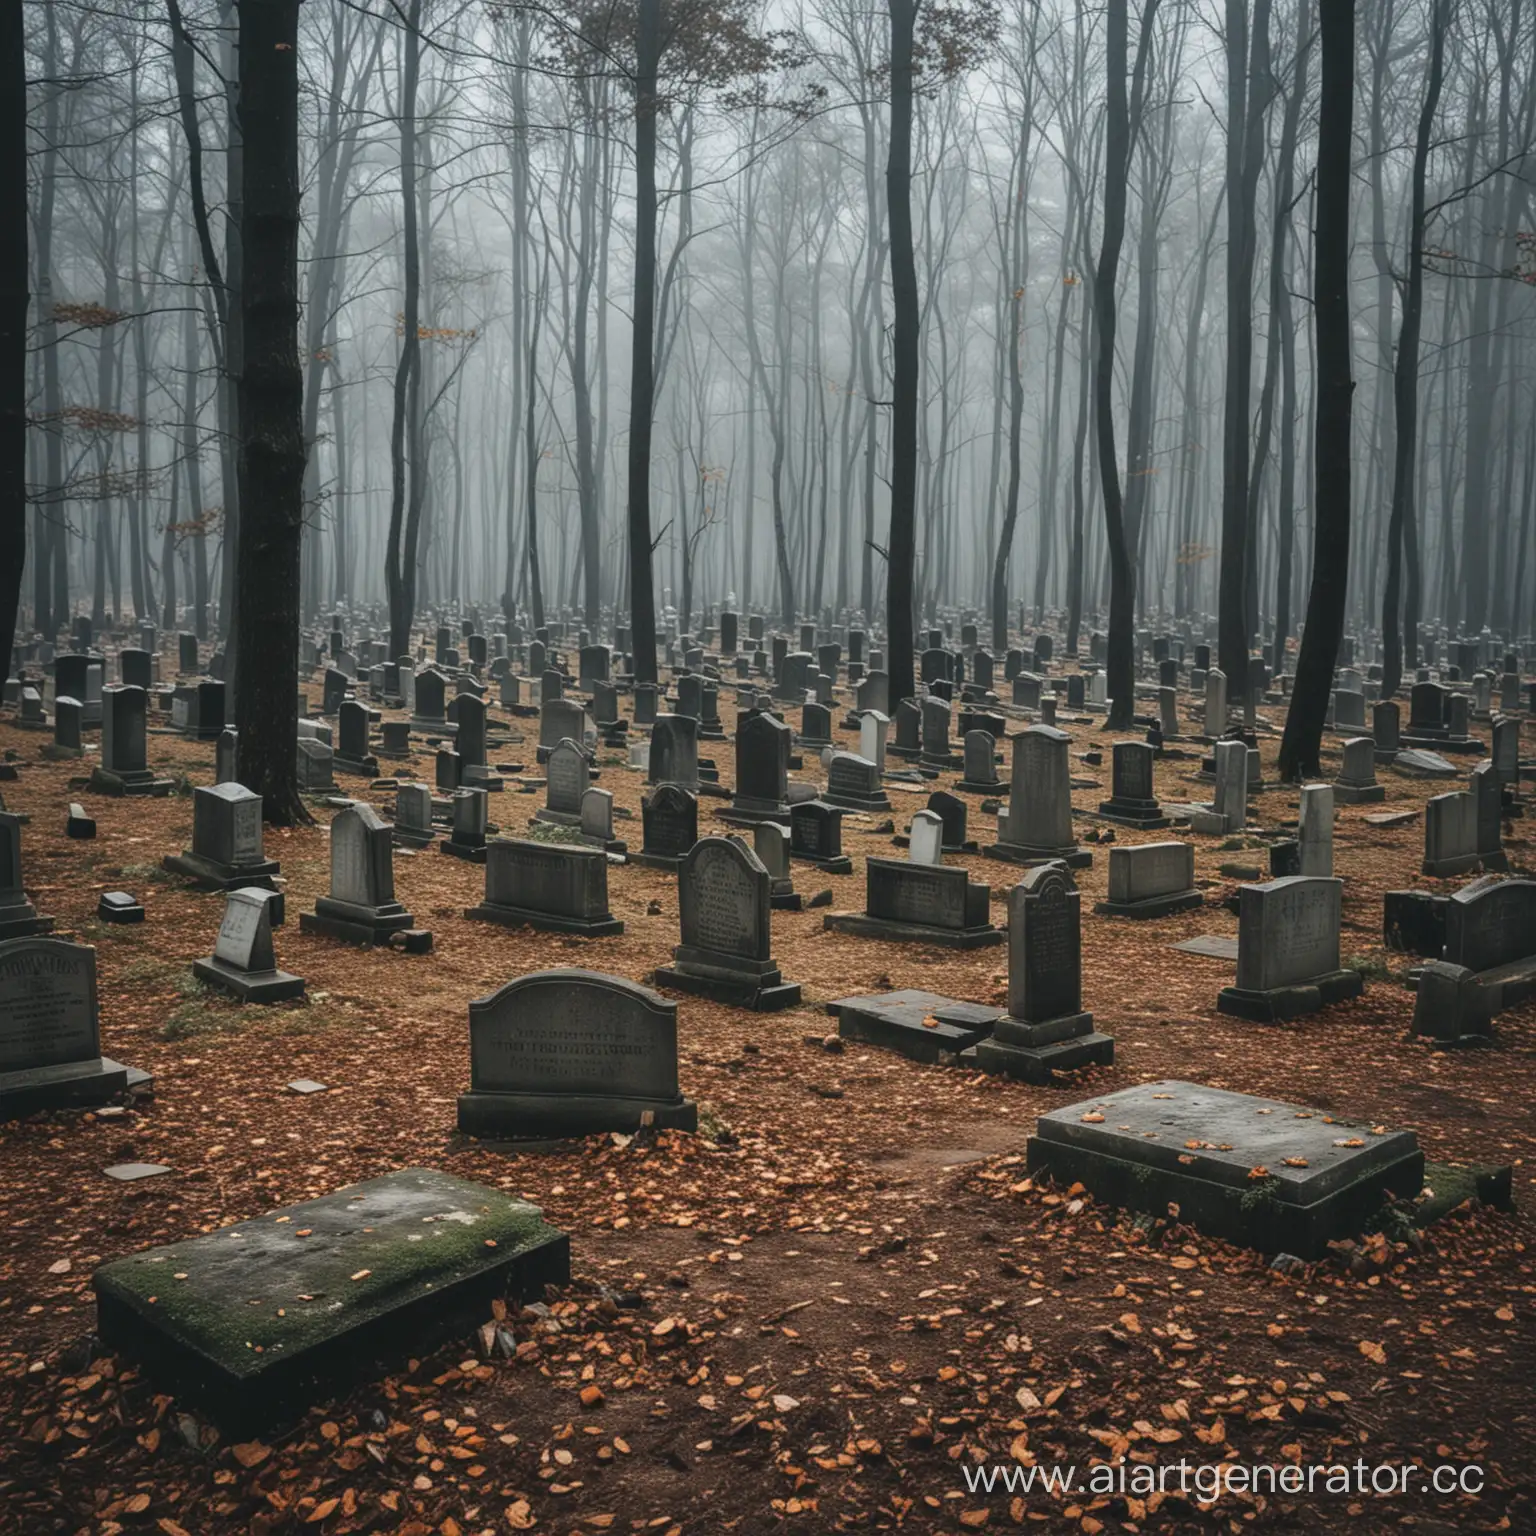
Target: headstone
<point>816,836</point>
<point>225,757</point>
<point>557,887</point>
<point>723,901</point>
<point>315,762</point>
<point>1231,799</point>
<point>567,775</point>
<point>872,728</point>
<point>927,839</point>
<point>352,751</point>
<point>1450,834</point>
<point>243,963</point>
<point>226,849</point>
<point>762,770</point>
<point>1386,731</point>
<point>18,917</point>
<point>1488,799</point>
<point>670,820</point>
<point>1037,825</point>
<point>186,654</point>
<point>413,816</point>
<point>471,820</point>
<point>675,752</point>
<point>118,907</point>
<point>124,767</point>
<point>933,904</point>
<point>1288,950</point>
<point>1356,783</point>
<point>1151,880</point>
<point>1215,701</point>
<point>772,849</point>
<point>361,907</point>
<point>853,783</point>
<point>68,725</point>
<point>1316,830</point>
<point>979,752</point>
<point>1132,801</point>
<point>50,1034</point>
<point>1045,1030</point>
<point>572,1053</point>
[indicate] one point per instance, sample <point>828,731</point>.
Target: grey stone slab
<point>127,1173</point>
<point>1212,946</point>
<point>255,1323</point>
<point>1323,1175</point>
<point>305,1085</point>
<point>899,1021</point>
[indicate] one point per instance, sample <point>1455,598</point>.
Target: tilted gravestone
<point>1037,825</point>
<point>50,1032</point>
<point>1487,964</point>
<point>226,849</point>
<point>559,887</point>
<point>1045,1030</point>
<point>929,903</point>
<point>243,963</point>
<point>1288,951</point>
<point>18,917</point>
<point>361,906</point>
<point>669,818</point>
<point>723,902</point>
<point>1257,1172</point>
<point>1151,880</point>
<point>572,1053</point>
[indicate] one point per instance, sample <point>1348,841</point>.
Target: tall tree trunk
<point>14,299</point>
<point>906,319</point>
<point>270,411</point>
<point>1405,381</point>
<point>642,388</point>
<point>1299,747</point>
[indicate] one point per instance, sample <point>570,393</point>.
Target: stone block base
<point>1279,1003</point>
<point>866,927</point>
<point>760,998</point>
<point>554,1116</point>
<point>249,986</point>
<point>550,922</point>
<point>1152,906</point>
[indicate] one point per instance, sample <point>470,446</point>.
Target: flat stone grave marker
<point>724,910</point>
<point>1323,1175</point>
<point>115,907</point>
<point>128,1173</point>
<point>243,963</point>
<point>924,1026</point>
<point>268,1322</point>
<point>1209,946</point>
<point>306,1085</point>
<point>50,1031</point>
<point>572,1052</point>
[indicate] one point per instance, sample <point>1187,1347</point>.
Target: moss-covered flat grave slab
<point>1259,1172</point>
<point>255,1323</point>
<point>920,1025</point>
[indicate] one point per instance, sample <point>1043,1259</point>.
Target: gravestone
<point>470,743</point>
<point>352,754</point>
<point>1288,951</point>
<point>1488,963</point>
<point>1488,797</point>
<point>979,750</point>
<point>674,757</point>
<point>853,783</point>
<point>334,692</point>
<point>413,816</point>
<point>1045,1029</point>
<point>395,740</point>
<point>1151,880</point>
<point>1215,702</point>
<point>186,653</point>
<point>1132,801</point>
<point>18,917</point>
<point>816,836</point>
<point>925,903</point>
<point>724,908</point>
<point>936,752</point>
<point>260,1324</point>
<point>1037,825</point>
<point>669,818</point>
<point>1348,710</point>
<point>226,753</point>
<point>1026,691</point>
<point>124,767</point>
<point>361,907</point>
<point>430,716</point>
<point>1386,730</point>
<point>1168,713</point>
<point>909,727</point>
<point>1450,834</point>
<point>872,728</point>
<point>1174,1144</point>
<point>926,839</point>
<point>567,775</point>
<point>136,669</point>
<point>772,849</point>
<point>815,726</point>
<point>1315,832</point>
<point>226,849</point>
<point>762,770</point>
<point>471,820</point>
<point>597,821</point>
<point>68,725</point>
<point>314,762</point>
<point>50,1032</point>
<point>924,1026</point>
<point>1356,783</point>
<point>555,887</point>
<point>572,1053</point>
<point>243,963</point>
<point>953,814</point>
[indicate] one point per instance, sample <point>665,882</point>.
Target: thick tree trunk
<point>904,348</point>
<point>270,411</point>
<point>14,299</point>
<point>1299,747</point>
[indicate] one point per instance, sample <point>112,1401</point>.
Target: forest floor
<point>819,1312</point>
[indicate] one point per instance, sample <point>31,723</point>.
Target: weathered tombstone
<point>1506,759</point>
<point>567,775</point>
<point>413,816</point>
<point>1348,710</point>
<point>853,783</point>
<point>352,753</point>
<point>1037,825</point>
<point>1288,951</point>
<point>1045,1030</point>
<point>815,726</point>
<point>1356,783</point>
<point>874,693</point>
<point>336,685</point>
<point>1427,711</point>
<point>1386,730</point>
<point>936,752</point>
<point>471,819</point>
<point>50,1032</point>
<point>674,755</point>
<point>68,726</point>
<point>1132,801</point>
<point>1320,1177</point>
<point>724,908</point>
<point>18,917</point>
<point>361,907</point>
<point>1151,880</point>
<point>1488,798</point>
<point>572,1053</point>
<point>669,818</point>
<point>933,904</point>
<point>909,727</point>
<point>226,849</point>
<point>1168,713</point>
<point>979,749</point>
<point>560,720</point>
<point>772,850</point>
<point>1231,799</point>
<point>430,716</point>
<point>872,727</point>
<point>597,820</point>
<point>124,768</point>
<point>226,752</point>
<point>243,963</point>
<point>1315,833</point>
<point>762,770</point>
<point>1026,691</point>
<point>1215,702</point>
<point>816,836</point>
<point>1450,834</point>
<point>186,654</point>
<point>557,887</point>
